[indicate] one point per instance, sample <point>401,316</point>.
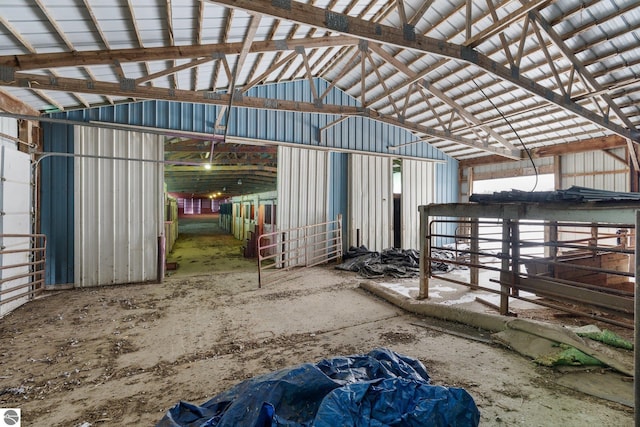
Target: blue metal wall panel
<point>338,191</point>
<point>354,133</point>
<point>447,191</point>
<point>56,207</point>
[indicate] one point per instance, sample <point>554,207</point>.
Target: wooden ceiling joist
<point>35,61</point>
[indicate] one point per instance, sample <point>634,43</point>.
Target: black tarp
<point>398,263</point>
<point>381,388</point>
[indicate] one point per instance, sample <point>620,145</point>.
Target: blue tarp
<point>378,389</point>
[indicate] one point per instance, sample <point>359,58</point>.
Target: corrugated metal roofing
<point>575,50</point>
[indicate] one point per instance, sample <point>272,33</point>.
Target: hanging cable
<point>524,147</point>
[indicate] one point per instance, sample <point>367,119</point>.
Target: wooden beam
<point>11,104</point>
<point>173,70</point>
<point>592,144</point>
<point>268,170</point>
<point>484,160</point>
<point>107,57</point>
<point>348,25</point>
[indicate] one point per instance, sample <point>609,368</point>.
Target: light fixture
<point>239,182</point>
<point>224,188</point>
<point>207,166</point>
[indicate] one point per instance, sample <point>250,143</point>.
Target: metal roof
<point>470,78</point>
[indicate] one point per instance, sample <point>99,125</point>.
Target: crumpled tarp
<point>398,263</point>
<point>381,388</point>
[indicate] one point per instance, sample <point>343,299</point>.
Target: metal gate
<point>307,246</point>
<point>21,253</point>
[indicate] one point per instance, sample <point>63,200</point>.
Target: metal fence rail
<point>281,251</point>
<point>579,275</point>
<point>22,269</point>
<point>585,264</point>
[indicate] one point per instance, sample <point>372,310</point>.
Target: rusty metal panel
<point>118,206</point>
<point>417,189</point>
<point>371,202</point>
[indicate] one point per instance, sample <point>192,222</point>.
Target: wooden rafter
<point>216,69</point>
<point>136,30</point>
<point>173,70</point>
<point>272,68</point>
<point>11,104</point>
<point>582,70</point>
<point>501,24</point>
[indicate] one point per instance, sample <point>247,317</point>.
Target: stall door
<point>371,202</point>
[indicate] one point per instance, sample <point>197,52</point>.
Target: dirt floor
<point>123,355</point>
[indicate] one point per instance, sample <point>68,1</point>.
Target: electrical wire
<point>535,169</point>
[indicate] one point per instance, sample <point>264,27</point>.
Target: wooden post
<point>505,275</point>
<point>425,249</point>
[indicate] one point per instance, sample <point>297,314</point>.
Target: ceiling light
<point>239,182</point>
<point>207,166</point>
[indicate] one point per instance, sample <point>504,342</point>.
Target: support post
<point>161,258</point>
<point>515,257</point>
<point>505,276</point>
<point>474,256</point>
<point>636,330</point>
<point>425,249</point>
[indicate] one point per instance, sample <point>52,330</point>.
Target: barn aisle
<point>203,247</point>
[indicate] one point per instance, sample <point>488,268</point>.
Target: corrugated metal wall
<point>371,202</point>
<point>355,133</point>
<point>119,207</point>
<point>595,169</point>
<point>417,190</point>
<point>9,127</point>
<point>15,205</point>
<point>56,204</point>
<point>302,187</point>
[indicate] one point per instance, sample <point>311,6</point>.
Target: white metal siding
<point>8,127</point>
<point>595,169</point>
<point>371,201</point>
<point>15,207</point>
<point>302,187</point>
<point>118,207</point>
<point>417,190</point>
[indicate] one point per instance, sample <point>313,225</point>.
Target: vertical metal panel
<point>447,190</point>
<point>302,187</point>
<point>417,190</point>
<point>371,201</point>
<point>119,211</point>
<point>595,169</point>
<point>15,218</point>
<point>57,203</point>
<point>9,127</point>
<point>339,190</point>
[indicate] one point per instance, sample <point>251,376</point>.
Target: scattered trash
<point>379,388</point>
